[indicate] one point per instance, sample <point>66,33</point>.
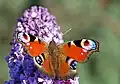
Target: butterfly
<point>57,61</point>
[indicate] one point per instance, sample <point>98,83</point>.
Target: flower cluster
<point>36,21</point>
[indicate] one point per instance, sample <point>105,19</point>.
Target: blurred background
<point>95,19</point>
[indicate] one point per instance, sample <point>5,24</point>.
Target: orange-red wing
<point>64,69</point>
<point>47,67</point>
<point>35,48</point>
<point>76,53</point>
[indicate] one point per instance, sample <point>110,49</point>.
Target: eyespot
<point>23,37</point>
<point>38,60</point>
<point>88,44</point>
<point>72,63</point>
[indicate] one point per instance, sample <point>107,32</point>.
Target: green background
<point>95,19</point>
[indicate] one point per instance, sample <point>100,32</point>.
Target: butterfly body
<point>57,61</point>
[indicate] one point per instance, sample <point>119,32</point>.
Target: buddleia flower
<point>39,22</point>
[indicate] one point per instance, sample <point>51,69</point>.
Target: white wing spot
<point>84,50</point>
<point>72,43</point>
<point>28,44</point>
<point>30,47</point>
<point>81,53</point>
<point>36,39</point>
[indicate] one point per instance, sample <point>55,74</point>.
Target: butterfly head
<point>52,43</point>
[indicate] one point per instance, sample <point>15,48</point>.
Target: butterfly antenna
<point>67,31</point>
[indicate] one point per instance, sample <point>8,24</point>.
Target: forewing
<point>32,44</point>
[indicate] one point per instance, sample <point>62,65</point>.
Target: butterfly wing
<point>65,70</point>
<point>33,45</point>
<point>37,49</point>
<point>44,64</point>
<point>80,50</point>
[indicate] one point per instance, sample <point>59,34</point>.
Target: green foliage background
<point>88,19</point>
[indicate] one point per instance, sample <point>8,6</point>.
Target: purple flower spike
<point>39,22</point>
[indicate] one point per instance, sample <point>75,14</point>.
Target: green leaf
<point>65,41</point>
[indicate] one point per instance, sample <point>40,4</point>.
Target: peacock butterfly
<point>57,61</point>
